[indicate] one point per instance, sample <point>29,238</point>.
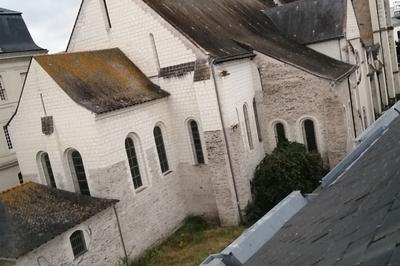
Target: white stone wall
<point>132,22</point>
<point>102,239</point>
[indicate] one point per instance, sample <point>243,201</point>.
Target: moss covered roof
<point>33,214</point>
<point>101,81</point>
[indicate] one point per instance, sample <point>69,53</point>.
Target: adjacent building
<point>16,50</point>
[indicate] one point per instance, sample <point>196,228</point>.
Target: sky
<point>50,22</point>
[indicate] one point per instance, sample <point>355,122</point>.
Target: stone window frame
<point>276,133</point>
<point>140,160</point>
<point>72,169</point>
<point>316,132</point>
<point>247,124</point>
<point>194,147</point>
<point>257,120</point>
<point>46,169</point>
<point>273,126</point>
<point>164,163</point>
<point>78,243</point>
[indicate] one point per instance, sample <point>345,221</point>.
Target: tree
<point>290,167</point>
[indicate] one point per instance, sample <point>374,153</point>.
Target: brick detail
<point>202,70</point>
<point>177,70</point>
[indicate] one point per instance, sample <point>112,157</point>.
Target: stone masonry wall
<point>102,239</point>
<point>290,95</point>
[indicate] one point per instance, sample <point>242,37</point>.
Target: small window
<point>162,154</point>
<point>47,170</point>
<point>280,133</point>
<point>248,129</point>
<point>20,178</point>
<point>78,243</point>
<point>133,163</point>
<point>78,170</point>
<point>257,121</point>
<point>310,136</point>
<point>196,142</point>
<point>8,138</point>
<point>3,94</point>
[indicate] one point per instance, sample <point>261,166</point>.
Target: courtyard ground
<point>190,245</point>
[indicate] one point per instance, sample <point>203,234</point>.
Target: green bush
<point>290,167</point>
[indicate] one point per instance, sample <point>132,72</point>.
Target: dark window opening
<point>3,94</point>
<point>257,121</point>
<point>80,173</point>
<point>310,136</point>
<point>162,154</point>
<point>78,244</point>
<point>133,163</point>
<point>8,138</point>
<point>280,133</point>
<point>20,178</point>
<point>48,171</point>
<point>248,128</point>
<point>198,149</point>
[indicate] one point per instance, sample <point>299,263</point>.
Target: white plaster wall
<point>132,22</point>
<point>330,48</point>
<point>102,239</point>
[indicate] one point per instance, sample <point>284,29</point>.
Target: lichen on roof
<point>32,214</point>
<point>101,81</point>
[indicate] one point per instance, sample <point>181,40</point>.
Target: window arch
<point>196,142</point>
<point>310,137</point>
<point>46,169</point>
<point>280,132</point>
<point>78,244</point>
<point>248,128</point>
<point>133,162</point>
<point>257,121</point>
<point>162,154</point>
<point>78,172</point>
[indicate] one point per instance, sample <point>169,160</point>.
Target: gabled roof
<point>33,214</point>
<point>355,221</point>
<point>310,21</point>
<point>15,36</point>
<point>101,81</point>
<point>230,28</point>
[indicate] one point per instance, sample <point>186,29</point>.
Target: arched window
<point>78,172</point>
<point>78,244</point>
<point>133,162</point>
<point>196,142</point>
<point>310,136</point>
<point>162,154</point>
<point>47,169</point>
<point>280,133</point>
<point>257,121</point>
<point>248,129</point>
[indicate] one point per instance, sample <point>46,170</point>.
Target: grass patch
<point>189,246</point>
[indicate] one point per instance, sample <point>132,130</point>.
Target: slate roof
<point>33,214</point>
<point>230,28</point>
<point>101,81</point>
<point>356,221</point>
<point>15,36</point>
<point>310,21</point>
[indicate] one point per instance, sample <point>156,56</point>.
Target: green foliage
<point>290,167</point>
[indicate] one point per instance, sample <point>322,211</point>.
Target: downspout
<point>383,53</point>
<point>352,109</point>
<point>120,234</point>
<point>226,138</point>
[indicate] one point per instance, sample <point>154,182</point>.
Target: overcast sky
<point>50,22</point>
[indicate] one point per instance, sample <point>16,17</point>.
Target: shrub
<point>290,167</point>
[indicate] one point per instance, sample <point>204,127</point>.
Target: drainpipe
<point>352,108</point>
<point>120,234</point>
<point>226,138</point>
